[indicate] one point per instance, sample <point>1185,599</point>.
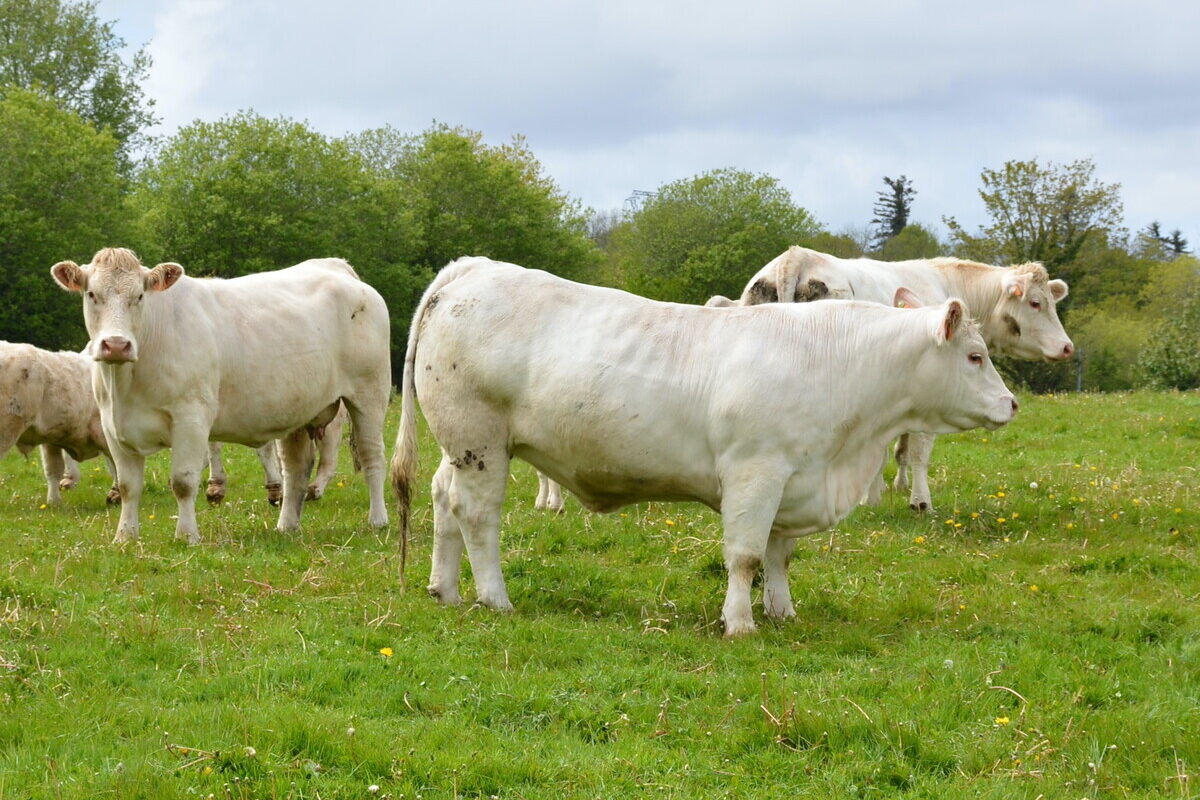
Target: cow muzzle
<point>1003,413</point>
<point>114,350</point>
<point>1060,352</point>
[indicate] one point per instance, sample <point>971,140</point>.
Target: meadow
<point>1038,636</point>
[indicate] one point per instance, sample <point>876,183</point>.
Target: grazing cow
<point>180,361</point>
<point>50,404</point>
<point>1014,306</point>
<point>622,399</point>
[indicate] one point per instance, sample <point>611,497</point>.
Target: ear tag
<point>1018,291</point>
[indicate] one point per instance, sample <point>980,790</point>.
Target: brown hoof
<point>113,498</point>
<point>215,493</point>
<point>274,494</point>
<point>66,484</point>
<point>313,493</point>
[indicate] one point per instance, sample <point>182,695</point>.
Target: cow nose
<point>116,347</point>
<point>1068,350</point>
<point>1015,405</point>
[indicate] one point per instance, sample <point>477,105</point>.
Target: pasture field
<point>1037,636</point>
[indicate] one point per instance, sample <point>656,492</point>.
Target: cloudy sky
<point>616,95</point>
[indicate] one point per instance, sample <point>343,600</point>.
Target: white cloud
<point>616,95</point>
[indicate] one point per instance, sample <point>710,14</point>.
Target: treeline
<point>246,193</point>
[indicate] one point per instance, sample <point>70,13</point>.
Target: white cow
<point>51,405</point>
<point>180,361</point>
<point>623,399</point>
<point>1014,306</point>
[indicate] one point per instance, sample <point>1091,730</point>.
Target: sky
<point>617,95</point>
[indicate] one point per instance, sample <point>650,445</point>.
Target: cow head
<point>114,288</point>
<point>1024,323</point>
<point>961,388</point>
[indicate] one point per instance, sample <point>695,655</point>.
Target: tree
<point>708,234</point>
<point>915,241</point>
<point>470,198</point>
<point>1171,357</point>
<point>1176,244</point>
<point>246,194</point>
<point>63,50</point>
<point>60,198</point>
<point>892,209</point>
<point>1041,213</point>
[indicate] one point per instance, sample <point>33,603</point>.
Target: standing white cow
<point>1014,306</point>
<point>623,399</point>
<point>179,361</point>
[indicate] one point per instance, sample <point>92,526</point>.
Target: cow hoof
<point>113,498</point>
<point>274,494</point>
<point>444,596</point>
<point>124,537</point>
<point>921,507</point>
<point>314,492</point>
<point>740,629</point>
<point>66,484</point>
<point>499,604</point>
<point>215,493</point>
<point>191,538</point>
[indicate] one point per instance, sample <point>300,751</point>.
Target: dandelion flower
<point>1015,515</point>
<point>999,494</point>
<point>386,652</point>
<point>670,522</point>
<point>1002,720</point>
<point>1070,525</point>
<point>919,540</point>
<point>1001,520</point>
<point>42,506</point>
<point>1033,587</point>
<point>974,515</point>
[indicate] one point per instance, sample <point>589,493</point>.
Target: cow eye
<point>1035,305</point>
<point>138,299</point>
<point>91,297</point>
<point>976,358</point>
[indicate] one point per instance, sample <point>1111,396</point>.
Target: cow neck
<point>982,296</point>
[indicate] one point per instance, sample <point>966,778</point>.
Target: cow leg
<point>268,456</point>
<point>777,596</point>
<point>131,472</point>
<point>366,431</point>
<point>296,453</point>
<point>215,492</point>
<point>327,452</point>
<point>114,493</point>
<point>70,474</point>
<point>874,495</point>
<point>52,468</point>
<point>190,449</point>
<point>476,494</point>
<point>748,509</point>
<point>549,494</point>
<point>900,484</point>
<point>447,540</point>
<point>920,447</point>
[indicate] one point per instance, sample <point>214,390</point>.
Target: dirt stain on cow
<point>1011,323</point>
<point>763,291</point>
<point>812,290</point>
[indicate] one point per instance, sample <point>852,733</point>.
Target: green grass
<point>1019,643</point>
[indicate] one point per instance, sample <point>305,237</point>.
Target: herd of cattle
<point>773,410</point>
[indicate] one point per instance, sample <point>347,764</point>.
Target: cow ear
<point>1016,284</point>
<point>69,276</point>
<point>1058,289</point>
<point>950,320</point>
<point>906,299</point>
<point>163,277</point>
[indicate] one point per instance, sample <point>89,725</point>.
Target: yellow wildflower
<point>42,506</point>
<point>670,522</point>
<point>1001,520</point>
<point>1033,587</point>
<point>999,494</point>
<point>1002,720</point>
<point>919,540</point>
<point>386,652</point>
<point>974,515</point>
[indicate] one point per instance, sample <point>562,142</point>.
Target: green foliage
<point>914,241</point>
<point>246,194</point>
<point>64,50</point>
<point>842,245</point>
<point>1041,213</point>
<point>707,235</point>
<point>60,198</point>
<point>1023,642</point>
<point>472,199</point>
<point>1171,358</point>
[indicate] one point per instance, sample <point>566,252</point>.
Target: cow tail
<point>404,455</point>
